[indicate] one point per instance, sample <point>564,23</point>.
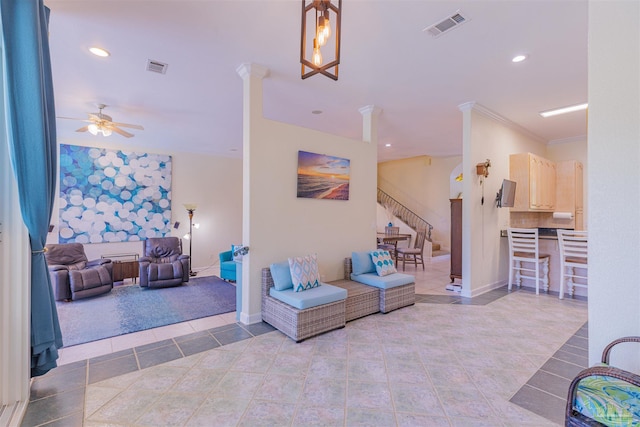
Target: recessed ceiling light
<point>98,51</point>
<point>519,58</point>
<point>564,110</point>
<point>387,145</point>
<point>316,112</point>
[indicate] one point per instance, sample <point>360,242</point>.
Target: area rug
<point>131,308</point>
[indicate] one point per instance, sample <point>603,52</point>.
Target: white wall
<point>213,183</point>
<point>279,225</point>
<point>486,135</point>
<point>422,184</point>
<point>614,176</point>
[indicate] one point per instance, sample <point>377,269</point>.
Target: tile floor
<point>498,359</point>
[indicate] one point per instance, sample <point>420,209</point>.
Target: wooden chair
<point>523,247</point>
<point>391,247</point>
<point>573,260</point>
<point>413,255</point>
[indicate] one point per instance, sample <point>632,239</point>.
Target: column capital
<point>249,69</point>
<point>370,109</point>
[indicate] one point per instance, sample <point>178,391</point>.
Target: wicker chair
<point>392,298</point>
<point>295,323</point>
<point>603,394</point>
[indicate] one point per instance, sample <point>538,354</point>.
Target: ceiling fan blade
<point>83,129</point>
<point>127,125</point>
<point>74,118</point>
<point>121,132</point>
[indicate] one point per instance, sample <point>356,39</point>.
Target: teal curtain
<point>32,146</point>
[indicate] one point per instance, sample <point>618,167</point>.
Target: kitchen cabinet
<point>535,179</point>
<point>569,192</point>
<point>456,239</point>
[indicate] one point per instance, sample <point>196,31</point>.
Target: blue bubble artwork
<point>113,196</point>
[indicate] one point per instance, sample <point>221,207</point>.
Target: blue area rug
<point>131,308</point>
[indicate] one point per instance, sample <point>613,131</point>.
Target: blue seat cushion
<point>323,294</point>
<point>383,282</point>
<point>361,263</point>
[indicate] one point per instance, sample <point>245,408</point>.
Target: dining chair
<point>413,255</point>
<point>524,248</point>
<point>573,260</point>
<point>391,247</point>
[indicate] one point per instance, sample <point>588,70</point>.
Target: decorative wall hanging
<point>113,196</point>
<point>323,177</point>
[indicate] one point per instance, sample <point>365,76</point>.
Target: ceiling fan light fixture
<point>106,131</point>
<point>98,51</point>
<point>93,129</point>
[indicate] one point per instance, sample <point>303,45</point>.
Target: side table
<point>125,266</point>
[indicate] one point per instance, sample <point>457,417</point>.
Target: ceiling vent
<point>157,66</point>
<point>447,24</point>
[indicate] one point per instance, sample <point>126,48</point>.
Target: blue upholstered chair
<point>227,266</point>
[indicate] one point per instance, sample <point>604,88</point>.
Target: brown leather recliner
<point>163,263</point>
<point>73,276</point>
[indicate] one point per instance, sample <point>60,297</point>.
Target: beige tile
<point>135,339</point>
<point>85,351</point>
<point>171,331</point>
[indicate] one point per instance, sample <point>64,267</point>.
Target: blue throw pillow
<point>281,275</point>
<point>361,263</point>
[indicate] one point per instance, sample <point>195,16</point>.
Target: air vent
<point>157,66</point>
<point>447,24</point>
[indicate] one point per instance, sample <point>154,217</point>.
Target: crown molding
<point>474,106</point>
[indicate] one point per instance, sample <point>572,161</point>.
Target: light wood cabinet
<point>569,192</point>
<point>535,179</point>
<point>456,239</point>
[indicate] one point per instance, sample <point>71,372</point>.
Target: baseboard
<point>11,415</point>
<point>250,319</point>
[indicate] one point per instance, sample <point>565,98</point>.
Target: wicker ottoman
<point>362,300</point>
<point>391,298</point>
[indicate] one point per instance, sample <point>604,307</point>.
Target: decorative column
<point>370,115</point>
<point>15,256</point>
<point>252,76</point>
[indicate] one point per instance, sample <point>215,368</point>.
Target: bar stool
<point>573,260</point>
<point>523,247</point>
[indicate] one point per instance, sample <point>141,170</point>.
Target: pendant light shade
<point>320,26</point>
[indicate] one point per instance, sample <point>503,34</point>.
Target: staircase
<point>409,217</point>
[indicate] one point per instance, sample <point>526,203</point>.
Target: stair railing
<point>399,210</point>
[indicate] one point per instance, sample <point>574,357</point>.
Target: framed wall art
<point>323,177</point>
<point>113,196</point>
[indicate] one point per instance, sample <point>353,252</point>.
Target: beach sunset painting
<point>323,177</point>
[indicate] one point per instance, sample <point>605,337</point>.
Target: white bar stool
<point>573,260</point>
<point>523,247</point>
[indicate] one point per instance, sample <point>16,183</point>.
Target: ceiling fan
<point>103,123</point>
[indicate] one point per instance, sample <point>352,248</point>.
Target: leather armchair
<point>73,276</point>
<point>163,263</point>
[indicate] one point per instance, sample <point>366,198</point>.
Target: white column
<point>370,115</point>
<point>252,76</point>
<point>15,258</point>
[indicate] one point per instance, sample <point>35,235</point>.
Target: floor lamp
<point>190,209</point>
